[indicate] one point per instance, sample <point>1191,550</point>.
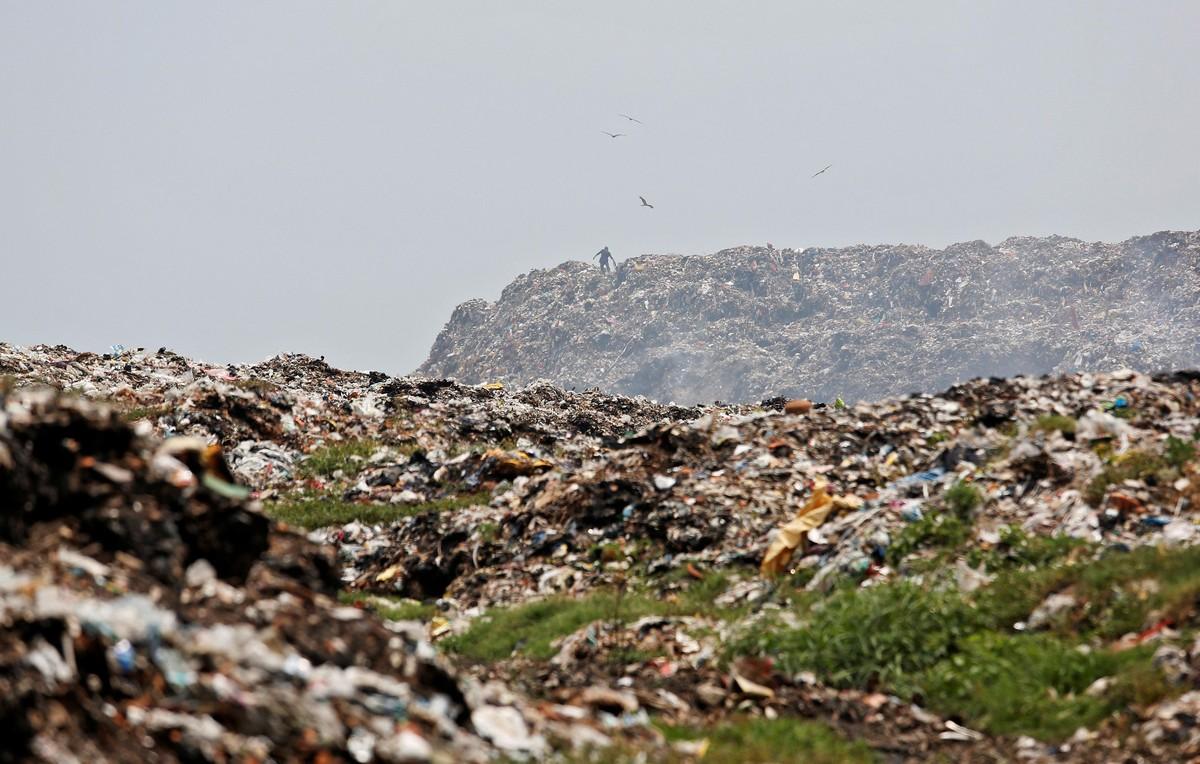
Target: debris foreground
<point>284,561</point>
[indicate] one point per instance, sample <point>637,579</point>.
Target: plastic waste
<point>791,535</point>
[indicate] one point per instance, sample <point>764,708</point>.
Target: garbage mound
<point>862,323</point>
<point>1005,570</point>
<point>148,611</point>
<point>711,492</point>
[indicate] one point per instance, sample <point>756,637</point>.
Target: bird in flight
<point>631,119</point>
<point>823,169</point>
<point>612,135</point>
<point>646,203</point>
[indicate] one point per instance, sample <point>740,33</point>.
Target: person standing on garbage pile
<point>606,260</point>
<point>622,272</point>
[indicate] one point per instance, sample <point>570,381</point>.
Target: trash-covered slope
<point>1004,570</point>
<point>861,322</point>
<point>149,613</point>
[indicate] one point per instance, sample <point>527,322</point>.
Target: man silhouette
<point>606,260</point>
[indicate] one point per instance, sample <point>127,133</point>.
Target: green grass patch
<point>1178,452</point>
<point>773,740</point>
<point>349,456</point>
<point>1130,592</point>
<point>391,608</point>
<point>145,412</point>
<point>946,535</point>
<point>963,498</point>
<point>863,637</point>
<point>959,655</point>
<point>322,510</point>
<point>1018,549</point>
<point>488,532</point>
<point>697,599</point>
<point>945,530</point>
<point>1132,465</point>
<point>935,530</point>
<point>1056,423</point>
<point>1027,685</point>
<point>532,628</point>
<point>1015,592</point>
<point>1118,592</point>
<point>1141,684</point>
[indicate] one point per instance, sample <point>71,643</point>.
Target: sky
<point>238,179</point>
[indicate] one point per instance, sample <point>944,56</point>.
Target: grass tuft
<point>862,637</point>
<point>773,740</point>
<point>963,498</point>
<point>391,608</point>
<point>936,530</point>
<point>958,652</point>
<point>323,510</point>
<point>1178,452</point>
<point>1056,422</point>
<point>532,628</point>
<point>145,412</point>
<point>1018,549</point>
<point>349,456</point>
<point>1026,685</point>
<point>1132,465</point>
<point>935,438</point>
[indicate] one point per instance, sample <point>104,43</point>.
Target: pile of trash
<point>284,560</point>
<point>718,491</point>
<point>862,323</point>
<point>149,611</point>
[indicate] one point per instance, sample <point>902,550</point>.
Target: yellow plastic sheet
<point>791,535</point>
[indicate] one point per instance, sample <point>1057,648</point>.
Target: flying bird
<point>631,119</point>
<point>823,169</point>
<point>646,203</point>
<point>612,135</point>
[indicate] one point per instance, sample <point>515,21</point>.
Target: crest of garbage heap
<point>861,322</point>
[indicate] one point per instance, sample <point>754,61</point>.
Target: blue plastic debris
<point>928,476</point>
<point>124,656</point>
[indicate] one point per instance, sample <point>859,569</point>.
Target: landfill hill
<point>862,323</point>
<point>283,561</point>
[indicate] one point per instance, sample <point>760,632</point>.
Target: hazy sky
<point>236,179</point>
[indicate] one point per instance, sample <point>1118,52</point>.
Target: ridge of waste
<point>284,560</point>
<point>861,322</point>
